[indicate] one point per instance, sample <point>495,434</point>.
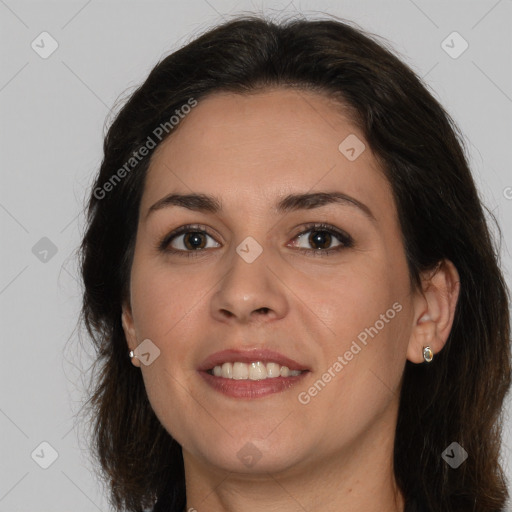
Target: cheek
<point>165,305</point>
<point>362,368</point>
<point>163,299</point>
<point>354,298</point>
<point>366,311</point>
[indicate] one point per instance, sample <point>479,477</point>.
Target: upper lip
<point>248,356</point>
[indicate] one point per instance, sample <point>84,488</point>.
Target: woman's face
<point>255,273</point>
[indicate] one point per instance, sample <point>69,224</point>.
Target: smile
<point>257,370</point>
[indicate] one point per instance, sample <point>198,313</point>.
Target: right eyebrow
<point>195,202</point>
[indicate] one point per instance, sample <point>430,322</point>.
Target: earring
<point>428,355</point>
<point>131,354</point>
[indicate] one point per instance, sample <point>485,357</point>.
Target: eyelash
<point>345,239</point>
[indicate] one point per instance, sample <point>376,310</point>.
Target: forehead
<point>259,146</point>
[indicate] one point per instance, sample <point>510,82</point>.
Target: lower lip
<point>246,388</point>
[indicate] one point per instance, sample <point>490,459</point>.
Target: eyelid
<point>322,226</point>
<point>346,241</point>
<point>166,240</point>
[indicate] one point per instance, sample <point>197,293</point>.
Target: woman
<point>292,287</point>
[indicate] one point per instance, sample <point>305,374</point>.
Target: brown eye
<point>320,238</point>
<point>194,240</point>
<point>187,239</point>
<point>191,241</point>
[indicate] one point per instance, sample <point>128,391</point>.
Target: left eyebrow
<point>318,199</point>
<point>292,202</point>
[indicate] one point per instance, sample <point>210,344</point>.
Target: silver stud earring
<point>428,355</point>
<point>131,354</point>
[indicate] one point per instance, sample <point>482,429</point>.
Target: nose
<point>250,292</point>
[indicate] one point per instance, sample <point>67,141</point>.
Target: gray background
<point>52,115</point>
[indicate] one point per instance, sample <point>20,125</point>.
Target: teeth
<point>240,371</point>
<point>273,370</point>
<point>257,371</point>
<point>253,371</point>
<point>227,370</point>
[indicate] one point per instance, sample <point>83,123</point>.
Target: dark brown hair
<point>459,397</point>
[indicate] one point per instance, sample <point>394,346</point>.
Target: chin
<point>251,455</point>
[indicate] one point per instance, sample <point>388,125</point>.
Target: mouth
<point>251,374</point>
<point>256,370</point>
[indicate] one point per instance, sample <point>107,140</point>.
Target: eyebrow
<point>292,202</point>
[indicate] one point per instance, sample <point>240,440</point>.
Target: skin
<point>335,452</point>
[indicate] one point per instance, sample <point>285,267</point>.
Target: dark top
<point>414,506</point>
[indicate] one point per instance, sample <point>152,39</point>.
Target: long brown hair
<point>459,397</point>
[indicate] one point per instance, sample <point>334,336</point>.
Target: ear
<point>129,331</point>
<point>434,310</point>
